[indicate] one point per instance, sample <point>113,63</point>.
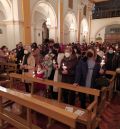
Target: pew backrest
<point>40,106</point>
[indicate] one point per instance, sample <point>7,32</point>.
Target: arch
<point>112,23</point>
<point>70,27</point>
<point>69,19</point>
<point>7,8</point>
<point>46,6</point>
<point>102,30</point>
<point>44,10</point>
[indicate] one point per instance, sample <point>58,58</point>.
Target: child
<point>40,74</point>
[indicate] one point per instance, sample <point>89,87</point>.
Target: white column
<point>14,25</point>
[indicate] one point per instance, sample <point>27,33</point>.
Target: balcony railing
<point>106,13</point>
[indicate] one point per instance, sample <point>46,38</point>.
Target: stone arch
<point>102,30</point>
<point>7,8</point>
<point>112,23</point>
<point>44,9</point>
<point>70,20</point>
<point>5,15</point>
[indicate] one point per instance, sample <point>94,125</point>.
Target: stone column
<point>27,21</point>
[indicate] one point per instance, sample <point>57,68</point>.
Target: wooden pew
<point>6,69</point>
<point>110,88</point>
<point>90,112</point>
<point>37,105</point>
<point>106,93</point>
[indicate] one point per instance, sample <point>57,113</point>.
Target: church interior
<point>59,64</point>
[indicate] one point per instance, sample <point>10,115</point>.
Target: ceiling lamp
<point>48,22</point>
<point>72,26</point>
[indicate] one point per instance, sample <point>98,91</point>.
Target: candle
<point>7,53</point>
<point>103,57</point>
<point>97,49</point>
<point>54,62</point>
<point>102,62</point>
<point>64,67</point>
<point>33,74</point>
<point>20,62</point>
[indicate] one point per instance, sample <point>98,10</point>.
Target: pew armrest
<point>92,105</point>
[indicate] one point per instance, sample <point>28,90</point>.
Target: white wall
<point>98,24</point>
<point>39,16</point>
<point>3,40</point>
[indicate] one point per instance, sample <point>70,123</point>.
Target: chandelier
<point>48,22</point>
<point>72,26</point>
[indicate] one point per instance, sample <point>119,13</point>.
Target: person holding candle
<point>67,70</point>
<point>40,74</point>
<point>87,71</point>
<point>28,64</point>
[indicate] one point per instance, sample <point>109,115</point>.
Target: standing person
<point>67,70</point>
<point>109,58</point>
<point>19,53</point>
<point>4,54</point>
<point>86,73</point>
<point>36,53</point>
<point>28,64</point>
<point>57,75</point>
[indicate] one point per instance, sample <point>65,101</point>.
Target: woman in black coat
<point>67,70</point>
<point>87,71</point>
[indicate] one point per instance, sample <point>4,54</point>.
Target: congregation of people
<point>75,63</point>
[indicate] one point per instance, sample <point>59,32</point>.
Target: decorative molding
<point>11,22</point>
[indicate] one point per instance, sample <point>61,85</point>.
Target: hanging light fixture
<point>72,26</point>
<point>48,22</point>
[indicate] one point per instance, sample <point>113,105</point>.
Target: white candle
<point>103,57</point>
<point>102,62</point>
<point>20,62</point>
<point>33,74</point>
<point>54,62</point>
<point>97,49</point>
<point>7,53</point>
<point>64,67</point>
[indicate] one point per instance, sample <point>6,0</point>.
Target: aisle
<point>111,115</point>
